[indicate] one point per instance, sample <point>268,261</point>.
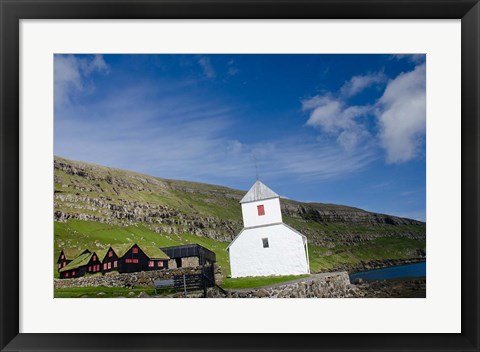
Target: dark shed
<point>183,254</point>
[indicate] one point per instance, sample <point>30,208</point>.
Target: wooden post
<point>203,279</point>
<point>184,286</point>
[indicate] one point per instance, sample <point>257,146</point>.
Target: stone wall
<point>143,278</point>
<point>328,285</point>
<point>186,262</point>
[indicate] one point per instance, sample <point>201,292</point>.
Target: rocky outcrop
<point>328,285</point>
<point>92,192</point>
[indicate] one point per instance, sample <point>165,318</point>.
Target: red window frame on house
<point>135,261</point>
<point>98,267</point>
<point>109,266</point>
<point>110,254</point>
<point>63,257</point>
<point>261,210</point>
<point>66,274</point>
<point>59,265</point>
<point>73,273</point>
<point>63,264</point>
<point>115,264</point>
<point>160,264</point>
<point>94,257</point>
<point>135,250</point>
<point>128,260</point>
<point>104,266</point>
<point>151,264</point>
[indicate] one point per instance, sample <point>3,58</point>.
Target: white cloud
<point>401,114</point>
<point>206,66</point>
<point>358,83</point>
<point>70,73</point>
<point>335,117</point>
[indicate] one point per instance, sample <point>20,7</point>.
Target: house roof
<point>258,192</point>
<point>154,252</point>
<point>79,261</point>
<point>71,253</point>
<point>190,250</point>
<point>275,224</point>
<point>102,253</point>
<point>121,249</point>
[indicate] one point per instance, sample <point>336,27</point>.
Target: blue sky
<point>343,129</point>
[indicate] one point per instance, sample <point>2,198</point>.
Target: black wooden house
<point>66,257</point>
<point>111,258</point>
<point>143,258</point>
<point>86,262</point>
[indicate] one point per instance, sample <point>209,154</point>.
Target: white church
<point>266,246</point>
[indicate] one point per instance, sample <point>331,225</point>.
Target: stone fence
<point>326,285</point>
<point>142,278</point>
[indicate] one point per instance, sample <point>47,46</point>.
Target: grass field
<point>250,282</point>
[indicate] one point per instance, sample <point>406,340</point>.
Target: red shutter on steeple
<point>261,210</point>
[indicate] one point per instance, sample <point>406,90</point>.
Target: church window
<point>265,242</point>
<point>261,210</point>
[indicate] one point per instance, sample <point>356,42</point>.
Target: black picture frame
<point>14,10</point>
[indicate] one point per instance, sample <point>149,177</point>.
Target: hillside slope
<point>97,206</point>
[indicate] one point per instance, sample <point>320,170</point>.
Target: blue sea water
<point>395,272</point>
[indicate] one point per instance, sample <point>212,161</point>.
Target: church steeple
<point>261,206</point>
<point>258,192</point>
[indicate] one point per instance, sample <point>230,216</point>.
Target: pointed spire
<point>258,192</point>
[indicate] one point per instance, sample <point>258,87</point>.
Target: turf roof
<point>121,249</point>
<point>154,252</point>
<point>72,253</point>
<point>79,261</point>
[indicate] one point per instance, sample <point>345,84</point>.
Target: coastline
<point>374,264</point>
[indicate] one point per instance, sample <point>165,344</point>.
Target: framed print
<point>176,175</point>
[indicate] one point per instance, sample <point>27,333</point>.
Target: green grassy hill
<point>96,206</point>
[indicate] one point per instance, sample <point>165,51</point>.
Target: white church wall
<point>285,255</point>
<point>272,215</point>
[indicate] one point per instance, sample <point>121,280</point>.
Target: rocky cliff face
<point>91,192</point>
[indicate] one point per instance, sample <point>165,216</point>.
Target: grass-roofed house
<point>66,257</point>
<point>111,257</point>
<point>142,258</point>
<point>86,262</point>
